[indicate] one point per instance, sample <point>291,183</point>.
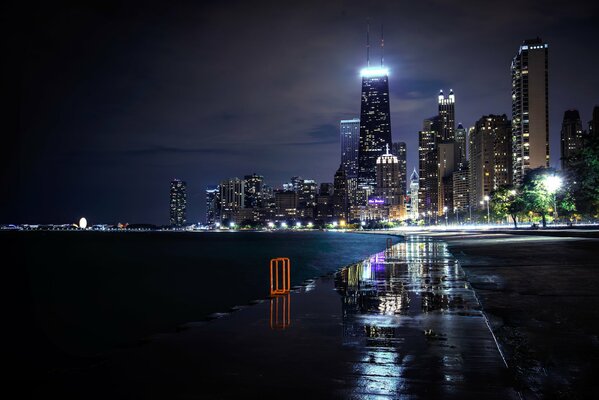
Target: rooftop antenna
<point>368,44</point>
<point>382,46</point>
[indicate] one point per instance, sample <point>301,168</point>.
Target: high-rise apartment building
<point>461,190</point>
<point>252,191</point>
<point>461,139</point>
<point>387,179</point>
<point>212,205</point>
<point>306,193</point>
<point>490,161</point>
<point>350,143</point>
<point>375,123</point>
<point>232,198</point>
<point>178,202</point>
<point>399,150</point>
<point>530,108</point>
<point>446,116</point>
<point>414,186</point>
<point>571,136</point>
<point>428,165</point>
<point>340,201</point>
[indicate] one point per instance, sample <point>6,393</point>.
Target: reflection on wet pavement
<point>417,326</point>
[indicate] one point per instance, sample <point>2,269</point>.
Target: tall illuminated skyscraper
<point>375,119</point>
<point>530,108</point>
<point>178,202</point>
<point>212,204</point>
<point>447,116</point>
<point>350,142</point>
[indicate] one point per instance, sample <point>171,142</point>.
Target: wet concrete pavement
<point>403,324</point>
<point>541,294</point>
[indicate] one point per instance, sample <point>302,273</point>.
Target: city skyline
<point>119,148</point>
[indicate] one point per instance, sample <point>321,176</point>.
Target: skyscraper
<point>414,185</point>
<point>399,151</point>
<point>447,116</point>
<point>178,202</point>
<point>340,203</point>
<point>350,143</point>
<point>387,179</point>
<point>375,123</point>
<point>232,194</point>
<point>461,139</point>
<point>530,108</point>
<point>253,191</point>
<point>571,135</point>
<point>594,123</point>
<point>212,205</point>
<point>489,157</point>
<point>428,165</point>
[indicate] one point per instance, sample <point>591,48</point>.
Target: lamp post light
<point>487,199</point>
<point>552,184</point>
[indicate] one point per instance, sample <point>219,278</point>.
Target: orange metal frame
<point>280,286</point>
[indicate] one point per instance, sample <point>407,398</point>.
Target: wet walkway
<point>402,324</point>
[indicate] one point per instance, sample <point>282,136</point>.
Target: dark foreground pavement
<point>402,324</point>
<point>541,293</point>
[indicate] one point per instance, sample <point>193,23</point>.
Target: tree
<point>583,177</point>
<point>534,193</point>
<point>506,202</point>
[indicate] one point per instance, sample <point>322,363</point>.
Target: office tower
<point>490,161</point>
<point>428,166</point>
<point>306,193</point>
<point>178,202</point>
<point>571,136</point>
<point>286,200</point>
<point>324,201</point>
<point>387,179</point>
<point>530,108</point>
<point>461,190</point>
<point>350,143</point>
<point>399,151</point>
<point>414,186</point>
<point>461,138</point>
<point>447,116</point>
<point>232,195</point>
<point>212,205</point>
<point>326,189</point>
<point>448,155</point>
<point>375,123</point>
<point>253,191</point>
<point>340,203</point>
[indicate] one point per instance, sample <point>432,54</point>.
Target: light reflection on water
<point>386,300</point>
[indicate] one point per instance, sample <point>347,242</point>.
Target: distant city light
<point>83,223</point>
<point>298,224</point>
<point>310,224</point>
<point>232,224</point>
<point>372,72</point>
<point>217,224</point>
<point>334,223</point>
<point>342,223</point>
<point>283,225</point>
<point>271,224</point>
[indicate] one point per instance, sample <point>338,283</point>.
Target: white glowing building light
<point>374,72</point>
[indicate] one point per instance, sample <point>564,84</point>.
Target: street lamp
<point>487,198</point>
<point>552,184</point>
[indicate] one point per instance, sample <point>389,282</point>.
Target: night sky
<point>105,103</point>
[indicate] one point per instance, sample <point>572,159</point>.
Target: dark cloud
<point>149,91</point>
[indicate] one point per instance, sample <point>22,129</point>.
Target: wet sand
<point>540,291</point>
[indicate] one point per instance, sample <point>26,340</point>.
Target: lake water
<point>72,295</point>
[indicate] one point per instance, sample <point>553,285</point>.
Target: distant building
<point>253,191</point>
<point>461,190</point>
<point>446,116</point>
<point>530,108</point>
<point>286,201</point>
<point>350,143</point>
<point>232,198</point>
<point>387,179</point>
<point>178,203</point>
<point>594,123</point>
<point>461,139</point>
<point>414,186</point>
<point>448,156</point>
<point>428,166</point>
<point>571,136</point>
<point>375,124</point>
<point>306,193</point>
<point>399,150</point>
<point>212,205</point>
<point>340,201</point>
<point>490,161</point>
